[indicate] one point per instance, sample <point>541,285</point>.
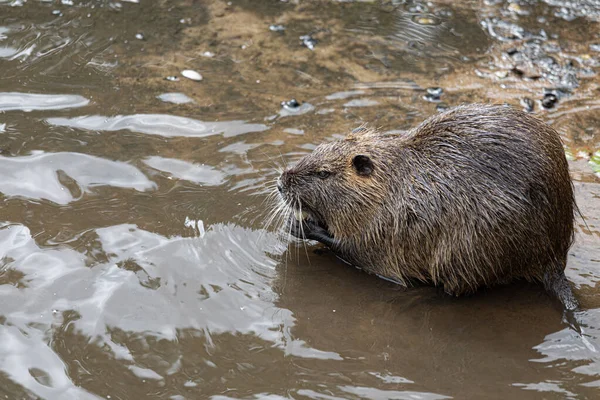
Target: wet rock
<point>441,107</point>
<point>551,47</point>
<point>570,10</point>
<point>501,74</point>
<point>549,100</point>
<point>293,107</point>
<point>528,104</point>
<point>308,41</point>
<point>191,74</point>
<point>503,31</point>
<point>276,28</point>
<point>533,60</point>
<point>417,8</point>
<point>426,20</point>
<point>444,12</point>
<point>517,9</point>
<point>595,47</point>
<point>435,91</point>
<point>290,104</point>
<point>569,80</point>
<point>433,94</point>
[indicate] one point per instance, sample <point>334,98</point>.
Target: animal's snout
<point>284,180</point>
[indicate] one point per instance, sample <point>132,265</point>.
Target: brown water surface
<point>134,258</point>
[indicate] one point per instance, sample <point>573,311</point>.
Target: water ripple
<point>10,101</point>
<point>158,124</point>
<point>196,173</point>
<point>37,176</point>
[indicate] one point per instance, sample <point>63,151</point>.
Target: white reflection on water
<point>220,283</point>
<point>10,101</point>
<point>197,173</point>
<point>20,354</point>
<point>35,176</point>
<point>158,124</point>
<point>176,98</point>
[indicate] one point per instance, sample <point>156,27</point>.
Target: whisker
<point>302,230</point>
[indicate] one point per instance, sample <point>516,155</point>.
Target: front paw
<point>308,229</point>
<point>299,229</point>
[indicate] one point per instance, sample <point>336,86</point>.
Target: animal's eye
<point>323,174</point>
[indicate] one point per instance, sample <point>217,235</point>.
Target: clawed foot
<point>309,229</point>
<point>305,229</point>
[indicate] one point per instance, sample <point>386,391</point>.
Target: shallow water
<point>135,262</point>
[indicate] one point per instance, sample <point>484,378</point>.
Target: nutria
<point>475,196</point>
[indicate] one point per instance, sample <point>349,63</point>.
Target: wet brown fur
<point>476,196</point>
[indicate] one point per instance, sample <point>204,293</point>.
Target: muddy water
<point>135,262</point>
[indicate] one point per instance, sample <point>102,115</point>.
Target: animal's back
<point>488,198</point>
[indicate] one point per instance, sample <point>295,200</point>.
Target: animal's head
<point>338,185</point>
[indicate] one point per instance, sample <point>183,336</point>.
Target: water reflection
<point>158,124</point>
<point>215,292</point>
<point>30,101</point>
<point>183,170</point>
<point>64,177</point>
<point>176,98</point>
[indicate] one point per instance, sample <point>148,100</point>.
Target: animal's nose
<point>284,180</point>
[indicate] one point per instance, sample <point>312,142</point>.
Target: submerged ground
<point>134,262</point>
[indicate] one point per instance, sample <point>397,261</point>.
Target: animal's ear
<point>363,165</point>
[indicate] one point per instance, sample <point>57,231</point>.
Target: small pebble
<point>425,20</point>
<point>517,9</point>
<point>441,107</point>
<point>208,54</point>
<point>276,28</point>
<point>172,78</point>
<point>595,47</point>
<point>139,36</point>
<point>527,104</point>
<point>57,12</point>
<point>501,74</point>
<point>433,94</point>
<point>435,91</point>
<point>417,8</point>
<point>549,100</point>
<point>308,41</point>
<point>191,74</point>
<point>293,103</point>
